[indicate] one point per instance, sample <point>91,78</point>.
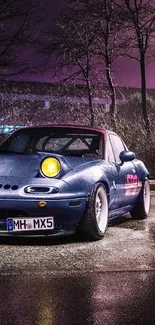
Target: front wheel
<point>142,207</point>
<point>95,220</point>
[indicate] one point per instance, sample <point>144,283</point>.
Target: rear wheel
<point>142,208</point>
<point>95,220</point>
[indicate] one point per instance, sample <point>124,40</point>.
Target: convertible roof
<point>69,126</point>
<point>82,127</point>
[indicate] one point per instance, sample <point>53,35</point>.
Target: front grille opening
<point>8,186</point>
<point>14,187</point>
<point>41,189</point>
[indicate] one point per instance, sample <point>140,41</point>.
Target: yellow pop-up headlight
<point>50,167</point>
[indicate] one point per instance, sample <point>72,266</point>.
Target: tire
<point>142,208</point>
<point>95,220</point>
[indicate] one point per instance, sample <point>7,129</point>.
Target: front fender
<point>82,179</point>
<point>141,170</point>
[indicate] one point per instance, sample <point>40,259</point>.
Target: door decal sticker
<point>133,185</point>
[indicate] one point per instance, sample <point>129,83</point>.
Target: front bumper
<point>66,212</point>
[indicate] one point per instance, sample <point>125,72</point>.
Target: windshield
<point>63,141</point>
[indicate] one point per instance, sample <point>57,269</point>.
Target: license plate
<point>28,224</point>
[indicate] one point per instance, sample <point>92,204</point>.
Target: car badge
<point>42,204</point>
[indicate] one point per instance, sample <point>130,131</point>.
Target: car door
<point>125,179</point>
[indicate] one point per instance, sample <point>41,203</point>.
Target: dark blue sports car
<point>56,180</point>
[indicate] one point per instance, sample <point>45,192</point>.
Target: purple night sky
<point>128,70</point>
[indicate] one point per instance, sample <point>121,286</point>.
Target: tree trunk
<point>143,92</point>
<point>90,104</point>
<point>112,93</point>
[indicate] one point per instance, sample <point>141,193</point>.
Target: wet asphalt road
<point>66,282</point>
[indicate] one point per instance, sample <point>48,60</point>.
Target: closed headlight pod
<point>50,167</point>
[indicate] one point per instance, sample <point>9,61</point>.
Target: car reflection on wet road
<point>65,282</point>
<point>109,298</point>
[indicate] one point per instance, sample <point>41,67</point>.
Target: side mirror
<point>127,156</point>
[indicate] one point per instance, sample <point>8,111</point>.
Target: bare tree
<point>106,42</point>
<point>17,28</point>
<point>139,30</point>
<point>73,46</point>
<point>73,104</point>
<point>85,42</point>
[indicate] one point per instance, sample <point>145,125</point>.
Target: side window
<point>117,146</point>
<point>109,151</point>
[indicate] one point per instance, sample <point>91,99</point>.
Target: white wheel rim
<point>147,196</point>
<point>101,209</point>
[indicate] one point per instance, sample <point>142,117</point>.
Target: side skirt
<point>118,212</point>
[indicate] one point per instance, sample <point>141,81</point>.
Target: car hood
<point>17,165</point>
<point>73,162</point>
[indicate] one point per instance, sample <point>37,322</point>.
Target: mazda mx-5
<point>58,179</point>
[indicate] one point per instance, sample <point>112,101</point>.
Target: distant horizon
<point>127,75</point>
<point>29,79</point>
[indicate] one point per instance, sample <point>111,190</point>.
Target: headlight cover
<point>50,167</point>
